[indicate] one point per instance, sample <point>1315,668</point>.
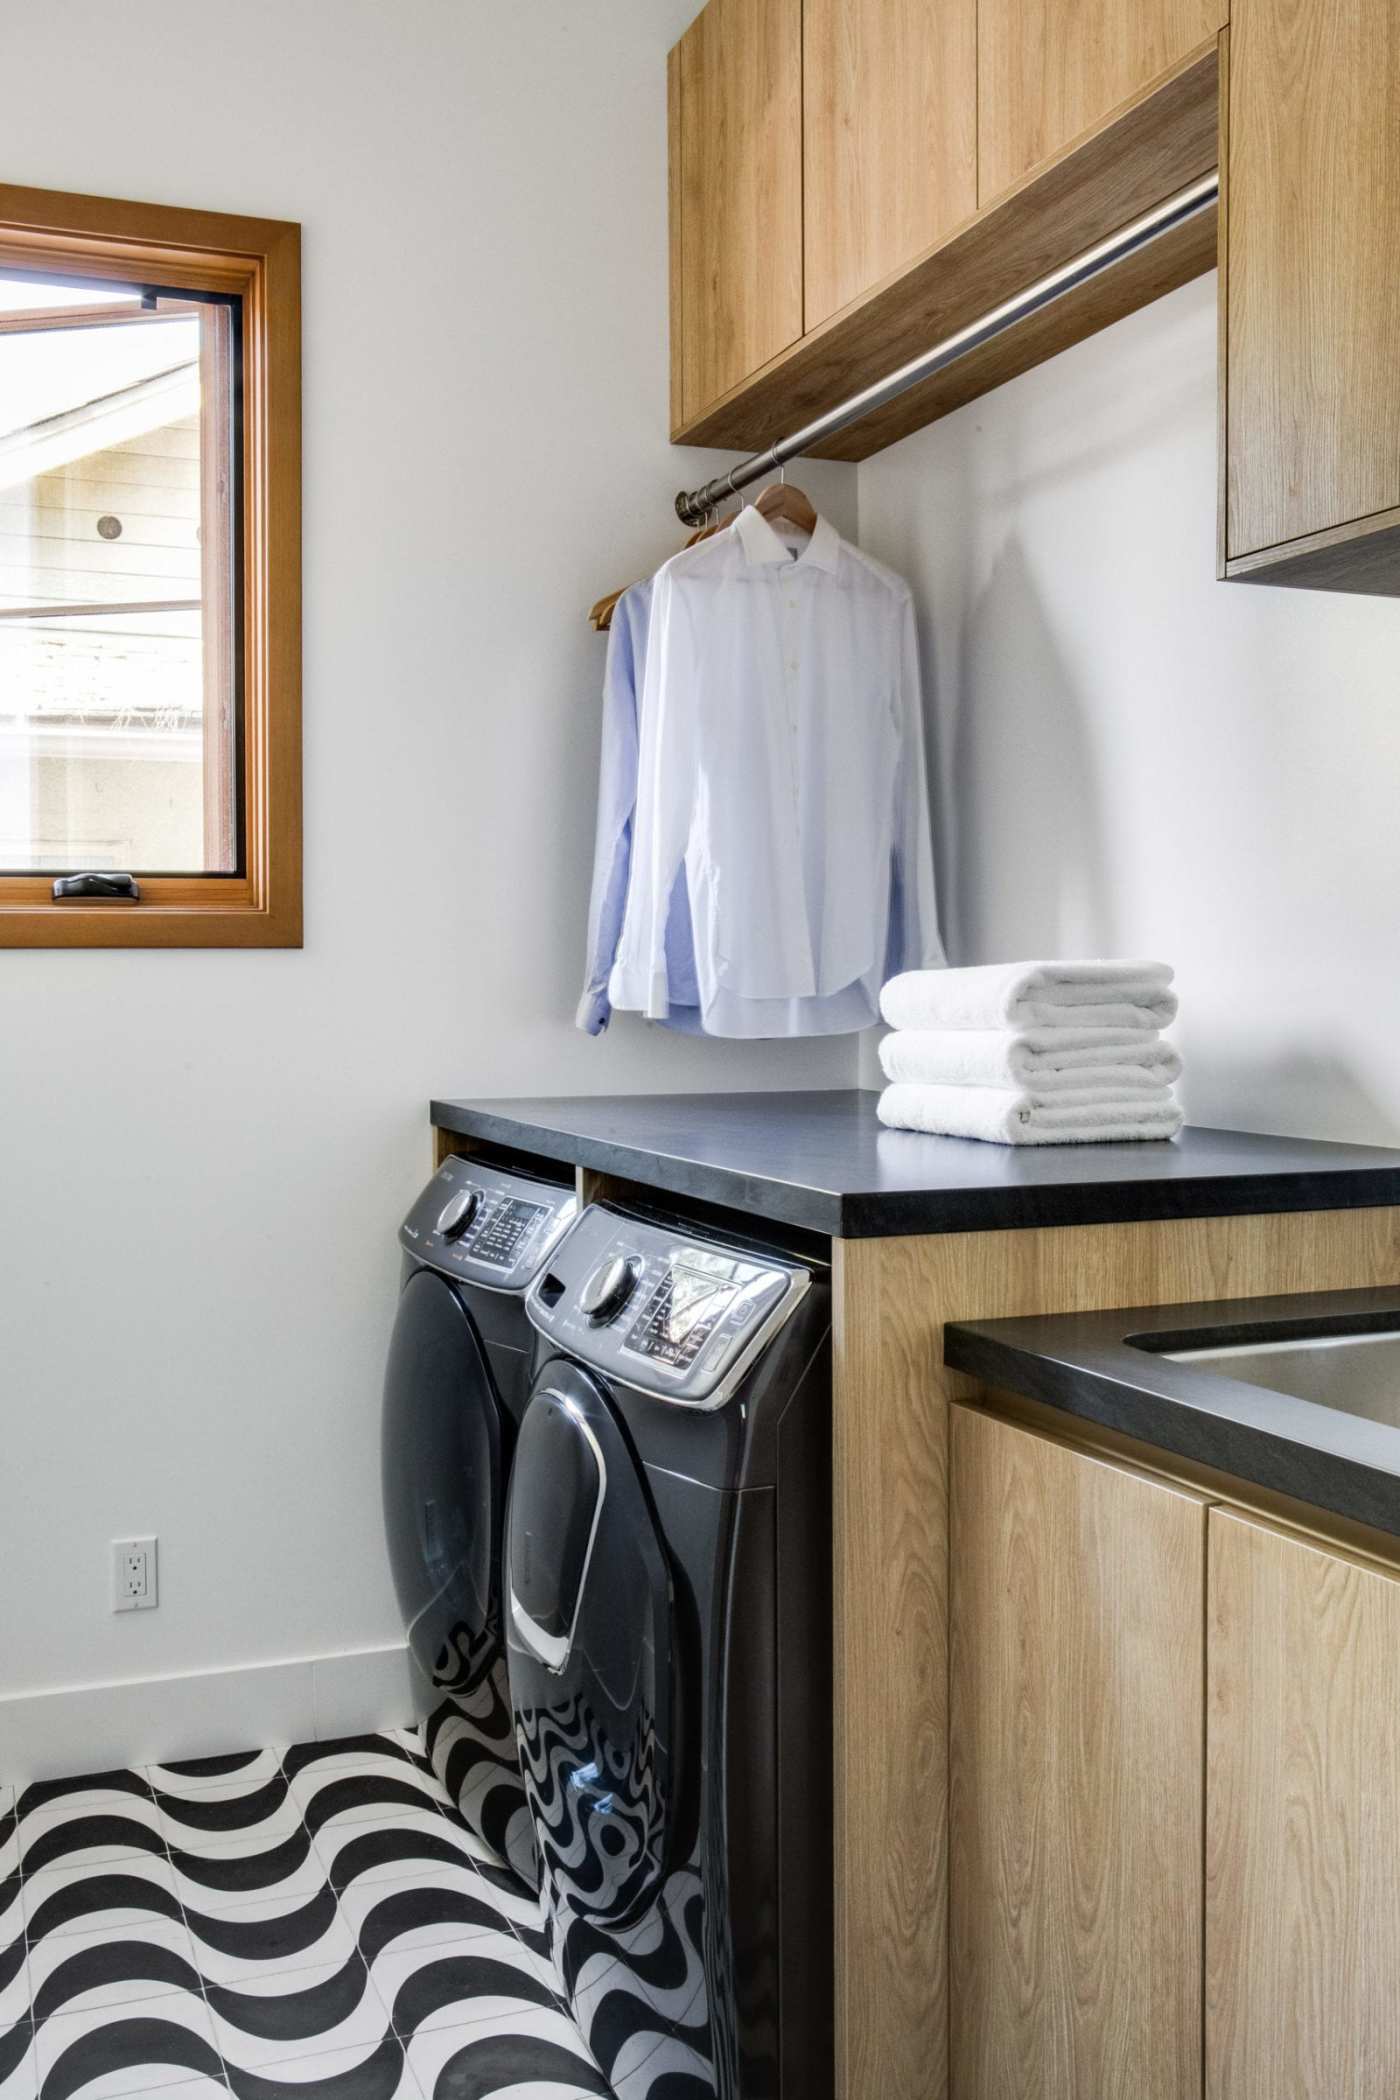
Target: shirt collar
<point>761,543</point>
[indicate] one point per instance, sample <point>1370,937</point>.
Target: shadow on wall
<point>1302,1093</point>
<point>1022,798</point>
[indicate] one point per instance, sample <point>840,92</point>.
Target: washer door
<point>589,1641</point>
<point>444,1466</point>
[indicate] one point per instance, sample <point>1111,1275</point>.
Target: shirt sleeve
<point>914,942</point>
<point>666,786</point>
<point>617,795</point>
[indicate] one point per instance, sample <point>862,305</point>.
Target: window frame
<point>260,261</point>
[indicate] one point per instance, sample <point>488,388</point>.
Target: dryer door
<point>589,1639</point>
<point>444,1495</point>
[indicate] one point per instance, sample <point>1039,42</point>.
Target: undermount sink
<point>1358,1374</point>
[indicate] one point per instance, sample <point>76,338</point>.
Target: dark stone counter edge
<point>891,1213</point>
<point>1109,1395</point>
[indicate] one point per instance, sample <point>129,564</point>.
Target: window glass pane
<point>118,702</point>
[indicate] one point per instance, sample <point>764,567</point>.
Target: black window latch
<point>117,889</point>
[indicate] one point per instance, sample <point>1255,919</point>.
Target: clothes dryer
<point>455,1386</point>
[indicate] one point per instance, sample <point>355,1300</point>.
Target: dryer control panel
<point>486,1225</point>
<point>678,1317</point>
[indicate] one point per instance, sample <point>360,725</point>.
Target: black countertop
<point>824,1162</point>
<point>1109,1367</point>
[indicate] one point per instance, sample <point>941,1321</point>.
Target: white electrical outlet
<point>134,1575</point>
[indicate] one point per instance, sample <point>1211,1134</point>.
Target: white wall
<point>206,1156</point>
<point>1134,758</point>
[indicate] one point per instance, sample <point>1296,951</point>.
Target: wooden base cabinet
<point>1303,1820</point>
<point>1075,1783</point>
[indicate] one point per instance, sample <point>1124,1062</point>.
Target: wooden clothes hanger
<point>782,502</point>
<point>600,615</point>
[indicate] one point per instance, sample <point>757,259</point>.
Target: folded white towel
<point>1033,995</point>
<point>1049,1058</point>
<point>1004,1116</point>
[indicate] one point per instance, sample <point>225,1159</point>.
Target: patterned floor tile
<point>73,1971</point>
<point>315,1922</point>
<point>450,1986</point>
<point>247,1870</point>
<point>236,1946</point>
<point>347,1753</point>
<point>244,1768</point>
<point>542,2054</point>
<point>215,1818</point>
<point>138,2048</point>
<point>306,2013</point>
<point>343,2074</point>
<point>70,1834</point>
<point>19,2065</point>
<point>430,1910</point>
<point>395,1846</point>
<point>82,1899</point>
<point>89,1793</point>
<point>14,1980</point>
<point>363,1794</point>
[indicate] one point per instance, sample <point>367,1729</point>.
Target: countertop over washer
<point>824,1162</point>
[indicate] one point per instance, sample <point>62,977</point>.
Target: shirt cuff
<point>594,1012</point>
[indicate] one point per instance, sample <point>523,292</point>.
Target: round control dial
<point>609,1288</point>
<point>457,1213</point>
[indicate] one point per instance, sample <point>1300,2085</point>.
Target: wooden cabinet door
<point>736,196</point>
<point>1076,1752</point>
<point>1048,70</point>
<point>1311,309</point>
<point>889,138</point>
<point>1303,1821</point>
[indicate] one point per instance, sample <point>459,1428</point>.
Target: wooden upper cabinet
<point>1303,1832</point>
<point>736,196</point>
<point>889,138</point>
<point>1077,1724</point>
<point>1050,70</point>
<point>1311,301</point>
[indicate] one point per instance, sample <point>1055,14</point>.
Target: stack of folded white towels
<point>1039,1053</point>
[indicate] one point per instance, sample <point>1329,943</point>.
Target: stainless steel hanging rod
<point>695,506</point>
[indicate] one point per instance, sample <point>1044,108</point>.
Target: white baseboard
<point>205,1713</point>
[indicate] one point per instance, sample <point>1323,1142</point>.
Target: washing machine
<point>455,1387</point>
<point>668,1631</point>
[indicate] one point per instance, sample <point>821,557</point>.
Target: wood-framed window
<point>150,574</point>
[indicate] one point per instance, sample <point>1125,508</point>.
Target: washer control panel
<point>486,1225</point>
<point>678,1317</point>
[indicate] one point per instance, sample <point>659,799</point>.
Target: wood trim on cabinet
<point>1222,322</point>
<point>891,1299</point>
<point>1142,154</point>
<point>675,118</point>
<point>1362,556</point>
<point>259,259</point>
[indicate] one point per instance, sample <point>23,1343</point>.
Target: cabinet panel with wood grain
<point>1076,1789</point>
<point>736,196</point>
<point>1311,299</point>
<point>889,138</point>
<point>1051,70</point>
<point>1303,1820</point>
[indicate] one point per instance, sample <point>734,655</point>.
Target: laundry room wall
<point>1135,759</point>
<point>206,1155</point>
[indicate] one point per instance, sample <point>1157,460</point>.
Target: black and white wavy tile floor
<point>316,1924</point>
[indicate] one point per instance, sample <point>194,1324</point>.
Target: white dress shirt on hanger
<point>781,764</point>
